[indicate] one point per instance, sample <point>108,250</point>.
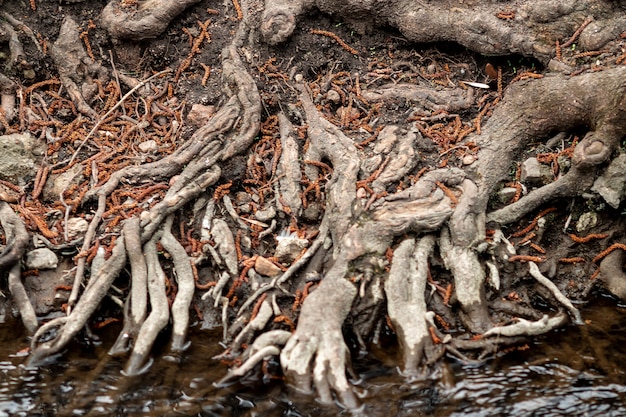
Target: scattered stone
<point>586,221</point>
<point>42,258</point>
<point>506,194</point>
<point>265,215</point>
<point>49,290</point>
<point>289,248</point>
<point>76,227</point>
<point>149,146</point>
<point>200,114</point>
<point>58,183</point>
<point>612,184</point>
<point>243,202</point>
<point>533,172</point>
<point>20,156</point>
<point>333,97</point>
<point>354,113</point>
<point>312,212</point>
<point>468,159</point>
<point>265,267</point>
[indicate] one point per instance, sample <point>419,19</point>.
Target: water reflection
<point>578,371</point>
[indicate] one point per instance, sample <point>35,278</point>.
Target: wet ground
<point>577,371</point>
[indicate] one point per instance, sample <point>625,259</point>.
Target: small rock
<point>243,202</point>
<point>149,146</point>
<point>48,290</point>
<point>289,248</point>
<point>586,221</point>
<point>333,97</point>
<point>242,197</point>
<point>312,212</point>
<point>612,184</point>
<point>20,155</point>
<point>506,194</point>
<point>354,113</point>
<point>533,172</point>
<point>56,184</point>
<point>266,214</point>
<point>76,226</point>
<point>199,114</point>
<point>42,258</point>
<point>468,159</point>
<point>265,267</point>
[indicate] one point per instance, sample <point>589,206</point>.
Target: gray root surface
<point>159,310</point>
<point>77,70</point>
<point>150,19</point>
<point>406,305</point>
<point>136,307</point>
<point>316,355</point>
<point>197,163</point>
<point>186,287</point>
<point>533,30</point>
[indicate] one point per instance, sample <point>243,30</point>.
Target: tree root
<point>196,163</point>
<point>149,20</point>
<point>288,169</point>
<point>317,353</point>
<point>534,271</point>
<point>450,100</point>
<point>525,327</point>
<point>136,307</point>
<point>186,287</point>
<point>159,313</point>
<point>77,70</point>
<point>404,288</point>
<point>355,231</point>
<point>17,238</point>
<point>492,28</point>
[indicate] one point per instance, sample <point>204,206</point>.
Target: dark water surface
<point>577,371</point>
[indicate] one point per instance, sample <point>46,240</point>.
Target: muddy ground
<point>335,75</point>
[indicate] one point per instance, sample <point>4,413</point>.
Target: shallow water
<point>577,371</point>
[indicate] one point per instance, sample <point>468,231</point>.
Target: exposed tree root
<point>524,327</point>
<point>17,238</point>
<point>500,28</point>
<point>148,20</point>
<point>359,236</point>
<point>406,305</point>
<point>159,313</point>
<point>77,70</point>
<point>534,271</point>
<point>196,165</point>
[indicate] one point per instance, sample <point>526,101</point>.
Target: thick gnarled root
<point>503,28</point>
<point>148,20</point>
<point>406,305</point>
<point>15,233</point>
<point>159,311</point>
<point>77,70</point>
<point>316,355</point>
